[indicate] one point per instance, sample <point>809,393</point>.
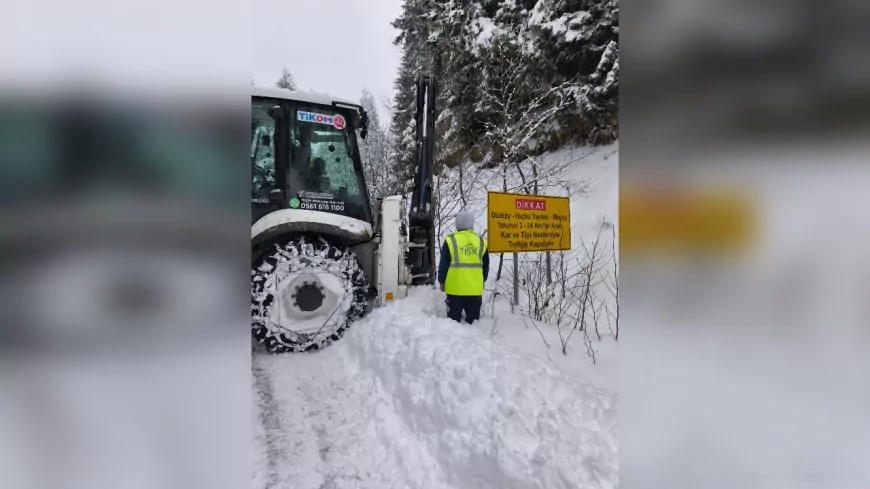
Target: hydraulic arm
<point>420,257</point>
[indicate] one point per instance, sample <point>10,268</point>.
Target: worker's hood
<point>464,221</point>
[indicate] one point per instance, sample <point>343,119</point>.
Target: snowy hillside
<point>590,177</point>
<point>409,399</point>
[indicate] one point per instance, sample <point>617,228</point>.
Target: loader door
<point>325,172</point>
<point>305,156</point>
<point>268,157</point>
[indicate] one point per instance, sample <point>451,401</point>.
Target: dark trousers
<point>456,304</point>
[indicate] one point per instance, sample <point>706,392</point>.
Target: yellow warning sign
<point>518,223</point>
<point>678,219</point>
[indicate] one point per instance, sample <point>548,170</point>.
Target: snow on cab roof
<point>310,97</point>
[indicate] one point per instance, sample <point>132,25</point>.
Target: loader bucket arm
<point>420,258</point>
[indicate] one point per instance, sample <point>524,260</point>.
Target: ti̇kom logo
<point>336,121</point>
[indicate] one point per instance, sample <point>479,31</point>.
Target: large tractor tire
<point>305,294</point>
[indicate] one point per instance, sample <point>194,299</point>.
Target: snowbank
<point>513,331</point>
<point>489,416</point>
<point>410,400</point>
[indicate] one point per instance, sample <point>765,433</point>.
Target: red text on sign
<point>530,205</point>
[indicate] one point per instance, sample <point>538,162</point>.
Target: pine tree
<point>286,81</point>
<point>567,49</point>
<point>376,153</point>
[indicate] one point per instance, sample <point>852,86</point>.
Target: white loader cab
<point>321,256</point>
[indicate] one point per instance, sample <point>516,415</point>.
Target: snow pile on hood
<point>486,413</point>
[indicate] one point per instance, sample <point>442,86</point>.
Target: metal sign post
<point>549,270</point>
<point>516,259</point>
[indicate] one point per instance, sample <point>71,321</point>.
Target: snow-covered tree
<point>286,80</point>
<point>571,44</point>
<point>402,126</point>
<point>376,152</point>
<point>517,113</point>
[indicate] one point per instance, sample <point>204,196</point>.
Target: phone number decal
<point>323,206</point>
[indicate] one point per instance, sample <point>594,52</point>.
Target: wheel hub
<point>308,297</point>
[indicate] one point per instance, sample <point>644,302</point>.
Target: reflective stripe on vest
<point>465,275</point>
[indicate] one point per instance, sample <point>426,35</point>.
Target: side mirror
<point>364,124</point>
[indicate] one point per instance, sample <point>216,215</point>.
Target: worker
<point>463,269</point>
<point>318,180</point>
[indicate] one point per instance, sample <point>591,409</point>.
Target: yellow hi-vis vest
<point>465,275</point>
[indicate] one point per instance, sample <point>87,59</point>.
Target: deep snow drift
<point>409,399</point>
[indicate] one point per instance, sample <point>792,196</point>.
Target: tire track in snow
<point>317,406</point>
<point>291,448</point>
<point>269,417</point>
<point>334,428</point>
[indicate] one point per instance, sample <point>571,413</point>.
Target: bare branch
<point>589,349</point>
<point>615,281</point>
<point>535,324</point>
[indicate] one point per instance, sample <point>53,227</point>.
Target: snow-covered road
<point>408,399</point>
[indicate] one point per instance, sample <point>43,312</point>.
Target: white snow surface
<point>410,399</point>
<point>486,30</point>
<point>301,96</point>
<point>568,25</point>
